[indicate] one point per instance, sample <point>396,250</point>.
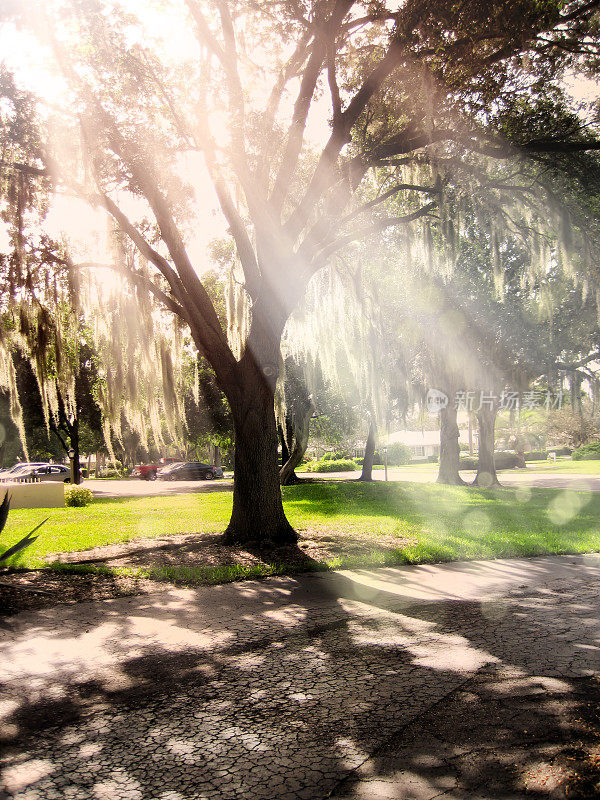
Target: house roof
<point>422,438</point>
<point>414,438</point>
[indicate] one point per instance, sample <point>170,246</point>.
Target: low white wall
<point>50,494</point>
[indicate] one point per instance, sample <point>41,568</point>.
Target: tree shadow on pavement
<point>286,688</point>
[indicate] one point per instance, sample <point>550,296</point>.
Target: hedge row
<point>341,465</point>
<point>587,452</point>
<point>501,460</point>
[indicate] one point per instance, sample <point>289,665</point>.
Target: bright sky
<point>84,227</point>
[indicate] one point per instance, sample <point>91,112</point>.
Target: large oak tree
<point>401,82</point>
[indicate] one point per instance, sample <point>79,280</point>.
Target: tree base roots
<point>257,539</point>
<point>451,481</point>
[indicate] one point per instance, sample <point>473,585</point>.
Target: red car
<point>147,472</point>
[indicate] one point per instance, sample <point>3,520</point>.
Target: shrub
<point>433,459</point>
<point>342,465</point>
<point>562,451</point>
<point>587,452</point>
<point>502,460</point>
<point>536,455</point>
<point>22,543</point>
<point>398,454</point>
<point>110,473</point>
<point>77,496</point>
<point>506,460</point>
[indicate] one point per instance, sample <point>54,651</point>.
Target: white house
<point>422,444</point>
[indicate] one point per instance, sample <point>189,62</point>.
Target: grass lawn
<point>563,465</point>
<point>430,523</point>
<point>566,466</point>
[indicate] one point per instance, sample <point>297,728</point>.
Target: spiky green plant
<point>22,543</point>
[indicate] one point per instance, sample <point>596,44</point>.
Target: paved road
<point>133,487</point>
<point>136,488</point>
<point>300,687</point>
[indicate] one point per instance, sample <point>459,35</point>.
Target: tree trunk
<point>285,453</point>
<point>367,470</point>
<point>217,456</point>
<point>301,432</point>
<point>486,469</point>
<point>449,448</point>
<point>297,428</point>
<point>74,438</point>
<point>257,517</point>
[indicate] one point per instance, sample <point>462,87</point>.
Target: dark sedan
<point>189,471</point>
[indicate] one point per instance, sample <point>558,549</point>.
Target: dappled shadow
<point>207,550</point>
<point>494,737</point>
<point>279,688</point>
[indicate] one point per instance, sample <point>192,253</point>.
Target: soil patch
<point>30,590</point>
<point>200,549</point>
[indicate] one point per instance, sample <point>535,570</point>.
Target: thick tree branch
<point>576,364</point>
<point>237,228</point>
<point>412,187</point>
<point>141,280</point>
<point>374,227</point>
<point>295,137</point>
<point>288,71</point>
<point>321,230</point>
<point>26,168</point>
<point>334,89</point>
<point>227,57</point>
<point>324,170</point>
<point>243,244</point>
<point>143,246</point>
<point>559,146</point>
<point>581,11</point>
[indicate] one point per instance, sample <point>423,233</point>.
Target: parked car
<point>23,466</point>
<point>148,472</point>
<point>189,471</point>
<point>46,472</point>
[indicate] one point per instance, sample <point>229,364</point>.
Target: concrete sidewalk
<point>508,478</point>
<point>289,687</point>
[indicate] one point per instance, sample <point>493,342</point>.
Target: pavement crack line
<point>381,747</point>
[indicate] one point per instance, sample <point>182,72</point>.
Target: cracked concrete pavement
<point>387,683</point>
